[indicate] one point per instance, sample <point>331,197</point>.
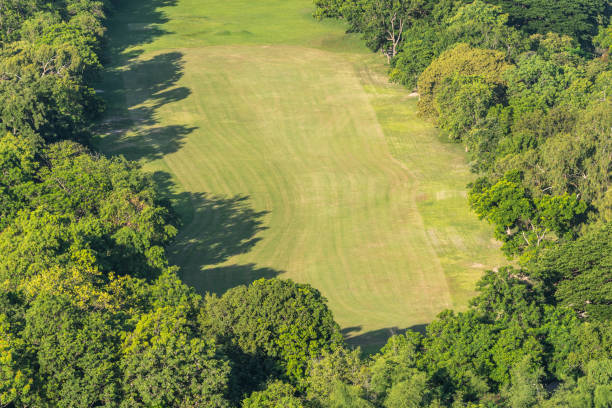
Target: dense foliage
<point>525,87</point>
<point>92,314</point>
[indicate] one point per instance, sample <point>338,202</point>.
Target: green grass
<point>288,154</point>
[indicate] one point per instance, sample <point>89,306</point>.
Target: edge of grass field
<point>396,114</point>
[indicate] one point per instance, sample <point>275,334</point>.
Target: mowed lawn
<point>288,154</point>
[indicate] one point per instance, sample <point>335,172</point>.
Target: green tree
<point>457,354</point>
<point>338,365</point>
<point>18,166</point>
<point>577,274</point>
<point>165,362</point>
<point>576,18</point>
<point>459,60</point>
<point>347,396</point>
<point>396,363</point>
<point>411,393</point>
<point>523,223</point>
<point>81,201</point>
<point>15,377</point>
<point>328,9</point>
<point>526,388</point>
<point>272,328</point>
<point>76,351</point>
<point>276,395</point>
<point>64,49</point>
<point>506,293</point>
<point>384,22</point>
<point>422,43</point>
<point>592,390</point>
<point>463,103</point>
<point>12,15</point>
<point>52,107</point>
<point>536,83</point>
<point>485,26</point>
<point>591,174</point>
<point>603,40</point>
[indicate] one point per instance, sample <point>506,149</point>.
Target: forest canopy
<point>92,313</point>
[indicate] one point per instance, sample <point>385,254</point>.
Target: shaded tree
<point>577,18</point>
<point>462,60</point>
<point>384,22</point>
<point>485,26</point>
<point>166,362</point>
<point>76,351</point>
<point>522,222</point>
<point>276,395</point>
<point>578,274</point>
<point>271,329</point>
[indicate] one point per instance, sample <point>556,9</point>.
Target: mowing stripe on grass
<point>288,154</point>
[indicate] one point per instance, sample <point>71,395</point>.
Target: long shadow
<point>220,228</point>
<point>134,93</point>
<point>134,89</point>
<point>152,80</point>
<point>215,228</point>
<point>133,23</point>
<point>371,342</point>
<point>221,279</point>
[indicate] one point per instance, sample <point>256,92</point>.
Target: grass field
<point>288,154</point>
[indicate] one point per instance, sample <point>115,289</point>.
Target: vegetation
<point>518,103</point>
<point>525,95</point>
<point>93,314</point>
<point>320,163</point>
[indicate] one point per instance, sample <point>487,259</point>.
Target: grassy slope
<point>288,154</point>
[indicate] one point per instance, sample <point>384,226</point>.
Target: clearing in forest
<point>288,154</point>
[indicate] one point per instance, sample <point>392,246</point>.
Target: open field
<point>288,154</point>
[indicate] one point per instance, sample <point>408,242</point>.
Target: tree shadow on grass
<point>150,80</point>
<point>371,342</point>
<point>133,23</point>
<point>219,228</point>
<point>135,89</point>
<point>131,128</point>
<point>214,229</point>
<point>219,280</point>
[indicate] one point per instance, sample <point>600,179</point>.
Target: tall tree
<point>463,60</point>
<point>166,362</point>
<point>485,26</point>
<point>272,328</point>
<point>577,18</point>
<point>578,274</point>
<point>384,23</point>
<point>523,223</point>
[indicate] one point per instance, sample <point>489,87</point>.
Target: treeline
<point>92,314</point>
<point>525,86</point>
